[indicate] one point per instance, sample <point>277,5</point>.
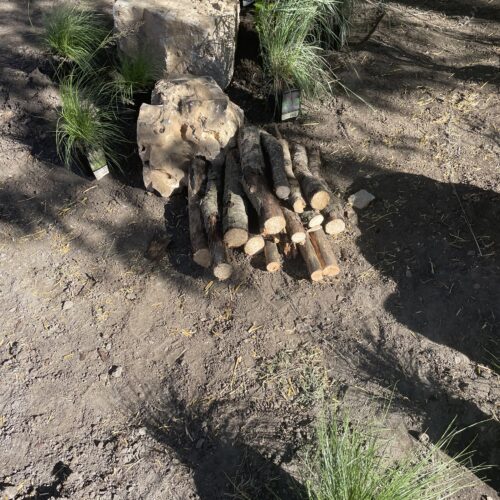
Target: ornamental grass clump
<point>134,75</point>
<point>351,462</point>
<point>87,126</point>
<point>75,34</point>
<point>292,56</point>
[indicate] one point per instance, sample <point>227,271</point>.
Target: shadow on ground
<point>209,445</point>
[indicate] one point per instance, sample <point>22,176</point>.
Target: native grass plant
<point>75,35</point>
<point>350,462</point>
<point>87,125</point>
<point>333,22</point>
<point>133,75</point>
<point>292,56</point>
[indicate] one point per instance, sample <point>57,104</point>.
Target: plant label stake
<point>289,104</point>
<point>98,163</point>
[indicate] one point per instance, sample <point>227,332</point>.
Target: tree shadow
<point>439,243</point>
<point>210,446</point>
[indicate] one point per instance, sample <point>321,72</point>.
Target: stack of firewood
<point>269,194</point>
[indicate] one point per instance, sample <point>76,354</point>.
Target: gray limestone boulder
<point>195,37</point>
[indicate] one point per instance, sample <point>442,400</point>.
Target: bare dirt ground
<point>128,373</point>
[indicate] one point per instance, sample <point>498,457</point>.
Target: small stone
<point>476,286</point>
<point>408,273</point>
<point>142,431</point>
<point>200,443</point>
<point>116,371</point>
<point>424,438</point>
<point>131,296</point>
<point>361,199</point>
<point>67,304</point>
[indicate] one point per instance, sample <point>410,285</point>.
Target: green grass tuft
<point>292,56</point>
<point>75,34</point>
<point>86,125</point>
<point>350,463</point>
<point>133,76</point>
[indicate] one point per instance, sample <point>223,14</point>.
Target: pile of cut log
<point>269,195</point>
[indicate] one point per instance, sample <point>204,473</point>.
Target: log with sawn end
<point>275,157</point>
<point>273,259</point>
<point>311,259</point>
<point>325,253</point>
<point>333,212</point>
<point>211,218</point>
<point>294,226</point>
<point>234,215</point>
<point>296,200</point>
<point>315,190</point>
<point>255,185</point>
<point>199,244</point>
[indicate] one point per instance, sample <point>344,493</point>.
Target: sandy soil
<point>128,373</point>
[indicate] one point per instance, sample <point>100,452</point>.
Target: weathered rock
<point>361,199</point>
<point>188,117</point>
<point>195,37</point>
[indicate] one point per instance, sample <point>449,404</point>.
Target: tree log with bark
<point>211,218</point>
<point>333,212</point>
<point>325,253</point>
<point>273,259</point>
<point>199,244</point>
<point>296,200</point>
<point>294,227</point>
<point>275,157</point>
<point>235,218</point>
<point>315,189</point>
<point>311,218</point>
<point>254,182</point>
<point>311,259</point>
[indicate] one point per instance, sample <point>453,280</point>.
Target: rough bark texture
<point>199,244</point>
<point>254,182</point>
<point>294,227</point>
<point>311,219</point>
<point>310,258</point>
<point>275,157</point>
<point>210,211</point>
<point>334,216</point>
<point>235,218</point>
<point>254,245</point>
<point>325,253</point>
<point>314,189</point>
<point>273,260</point>
<point>296,200</point>
<point>333,212</point>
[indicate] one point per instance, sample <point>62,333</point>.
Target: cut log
<point>294,227</point>
<point>315,189</point>
<point>273,260</point>
<point>333,212</point>
<point>296,200</point>
<point>325,253</point>
<point>310,258</point>
<point>334,216</point>
<point>254,245</point>
<point>210,211</point>
<point>235,218</point>
<point>275,157</point>
<point>199,244</point>
<point>254,182</point>
<point>311,219</point>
